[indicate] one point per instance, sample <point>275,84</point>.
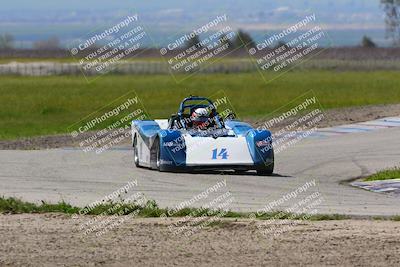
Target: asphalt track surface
<point>81,178</point>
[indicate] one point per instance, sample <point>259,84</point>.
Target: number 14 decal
<point>223,153</point>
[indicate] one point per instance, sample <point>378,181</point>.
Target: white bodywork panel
<point>210,151</point>
<point>163,123</point>
<point>203,150</point>
<point>142,148</point>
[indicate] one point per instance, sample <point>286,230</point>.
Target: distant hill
<point>348,20</point>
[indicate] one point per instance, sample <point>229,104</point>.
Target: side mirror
<point>171,120</point>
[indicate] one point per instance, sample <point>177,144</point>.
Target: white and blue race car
<point>199,138</point>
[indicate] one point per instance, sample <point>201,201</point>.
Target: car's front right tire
<point>268,169</point>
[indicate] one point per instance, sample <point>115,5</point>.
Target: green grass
<point>16,206</point>
<point>392,173</point>
<point>31,106</point>
<point>280,215</point>
<point>150,209</point>
<point>71,59</point>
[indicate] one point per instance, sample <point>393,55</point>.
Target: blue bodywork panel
<point>239,128</point>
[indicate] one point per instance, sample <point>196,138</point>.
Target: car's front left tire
<point>135,152</point>
<point>155,155</point>
<point>158,161</point>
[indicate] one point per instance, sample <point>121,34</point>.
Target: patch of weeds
<point>396,218</point>
<point>387,174</point>
<point>150,209</point>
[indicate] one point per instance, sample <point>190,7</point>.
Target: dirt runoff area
<point>55,240</point>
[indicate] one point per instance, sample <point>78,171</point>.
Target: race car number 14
<point>223,153</point>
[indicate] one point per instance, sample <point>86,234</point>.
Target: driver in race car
<point>200,119</point>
